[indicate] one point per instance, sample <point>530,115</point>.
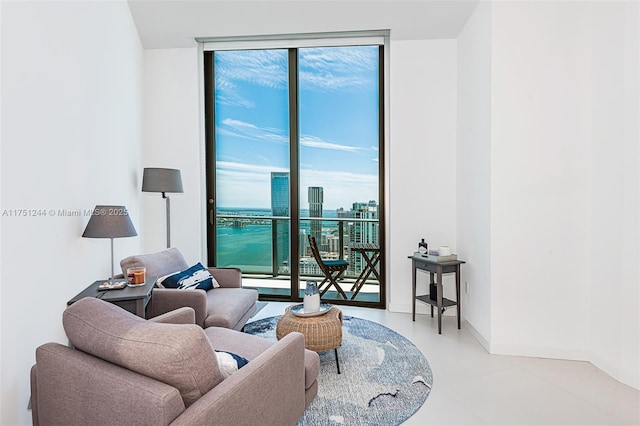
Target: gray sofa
<point>125,370</point>
<point>229,306</point>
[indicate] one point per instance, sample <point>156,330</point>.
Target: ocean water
<point>249,248</point>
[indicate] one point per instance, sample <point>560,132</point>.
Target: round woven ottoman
<point>321,332</point>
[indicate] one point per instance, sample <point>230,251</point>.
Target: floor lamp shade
<point>110,222</point>
<point>163,180</point>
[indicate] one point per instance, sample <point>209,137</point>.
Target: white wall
<point>614,339</point>
<point>422,166</point>
<point>564,180</point>
<point>172,140</point>
<point>539,182</point>
<point>473,157</point>
<point>71,139</point>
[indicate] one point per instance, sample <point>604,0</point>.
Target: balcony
<point>259,246</point>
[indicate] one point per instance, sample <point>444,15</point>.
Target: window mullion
<point>294,165</point>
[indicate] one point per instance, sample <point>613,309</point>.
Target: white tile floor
<point>471,387</point>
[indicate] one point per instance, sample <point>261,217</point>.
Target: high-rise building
<point>315,198</point>
<point>363,232</point>
<point>280,207</point>
<point>333,244</point>
<point>341,213</point>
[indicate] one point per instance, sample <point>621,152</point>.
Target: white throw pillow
<point>229,363</point>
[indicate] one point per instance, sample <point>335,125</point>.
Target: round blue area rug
<point>385,379</point>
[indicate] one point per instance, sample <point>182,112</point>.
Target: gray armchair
<point>229,306</point>
<point>126,370</point>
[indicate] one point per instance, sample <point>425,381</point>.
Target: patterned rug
<point>385,379</point>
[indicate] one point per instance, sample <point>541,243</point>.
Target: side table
<point>321,332</point>
<point>435,269</point>
<point>370,253</point>
<point>132,299</point>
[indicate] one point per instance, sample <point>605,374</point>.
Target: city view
<point>336,162</point>
<point>245,237</point>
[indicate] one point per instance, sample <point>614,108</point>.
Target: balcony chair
<point>332,269</point>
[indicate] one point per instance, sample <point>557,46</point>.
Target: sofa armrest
<point>227,277</point>
<point>184,315</point>
<point>269,390</point>
<point>165,300</point>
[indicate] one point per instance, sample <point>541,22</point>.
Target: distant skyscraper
<point>342,213</point>
<point>363,232</point>
<point>279,194</point>
<point>280,207</point>
<point>315,198</point>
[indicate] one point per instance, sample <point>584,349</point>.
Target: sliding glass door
<point>339,158</point>
<point>294,149</point>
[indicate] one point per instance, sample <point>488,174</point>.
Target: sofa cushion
<point>179,355</point>
<point>157,264</point>
<point>227,306</point>
<point>195,277</point>
<point>250,347</point>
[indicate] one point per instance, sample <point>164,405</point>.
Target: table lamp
<point>163,180</point>
<point>110,222</point>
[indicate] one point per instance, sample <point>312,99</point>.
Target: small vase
<point>311,302</point>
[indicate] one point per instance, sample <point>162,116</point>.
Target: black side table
<point>436,269</point>
<point>132,299</point>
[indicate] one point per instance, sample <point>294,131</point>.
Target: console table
<point>436,270</point>
<point>132,299</point>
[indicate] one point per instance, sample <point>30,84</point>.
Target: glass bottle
<point>423,247</point>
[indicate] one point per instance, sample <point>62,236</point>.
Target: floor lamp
<point>110,222</point>
<point>163,180</point>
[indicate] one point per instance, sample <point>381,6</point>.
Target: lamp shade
<point>109,222</point>
<point>161,180</point>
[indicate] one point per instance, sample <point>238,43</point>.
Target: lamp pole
<point>168,204</point>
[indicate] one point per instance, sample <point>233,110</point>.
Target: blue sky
<point>338,124</point>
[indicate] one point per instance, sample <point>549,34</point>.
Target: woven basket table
<point>321,332</point>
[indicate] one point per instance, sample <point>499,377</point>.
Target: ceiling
<point>176,23</point>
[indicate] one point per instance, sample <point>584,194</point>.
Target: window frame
<point>208,47</point>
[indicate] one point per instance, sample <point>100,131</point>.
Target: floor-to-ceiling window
<point>294,148</point>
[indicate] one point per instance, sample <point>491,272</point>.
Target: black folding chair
<point>332,269</point>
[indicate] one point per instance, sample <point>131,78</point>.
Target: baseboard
<point>626,376</point>
<point>476,335</point>
<point>538,352</point>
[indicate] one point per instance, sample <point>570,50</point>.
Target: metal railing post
<point>274,247</point>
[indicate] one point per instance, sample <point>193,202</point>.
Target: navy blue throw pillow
<point>196,277</point>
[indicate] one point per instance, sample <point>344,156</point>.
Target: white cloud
<point>249,185</point>
<point>332,68</point>
<point>242,129</point>
<point>315,142</point>
<point>321,69</point>
<point>266,68</point>
<point>245,167</point>
<point>238,128</point>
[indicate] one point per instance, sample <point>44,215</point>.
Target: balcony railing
<point>364,230</point>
